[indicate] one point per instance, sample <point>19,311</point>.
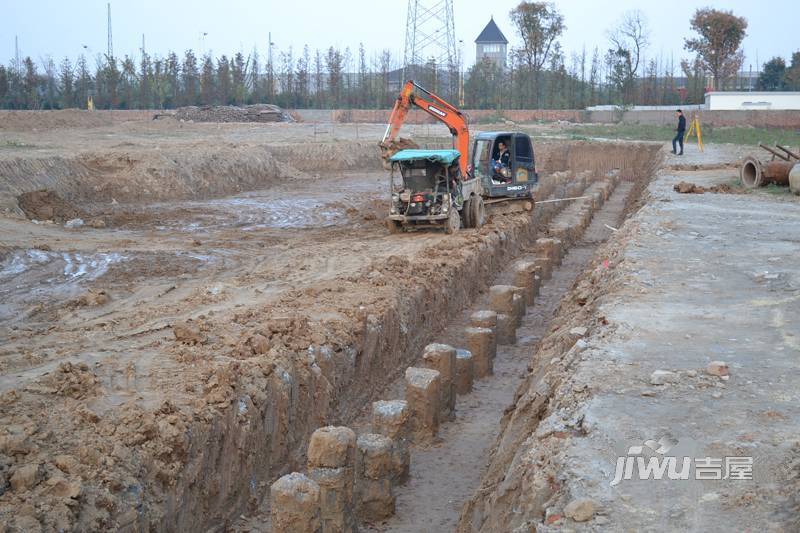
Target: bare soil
<point>444,476</point>
<point>687,281</point>
<point>47,205</point>
<point>159,372</point>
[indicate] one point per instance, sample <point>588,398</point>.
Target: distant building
<point>732,100</point>
<point>491,43</point>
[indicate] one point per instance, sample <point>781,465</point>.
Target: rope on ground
<point>562,199</point>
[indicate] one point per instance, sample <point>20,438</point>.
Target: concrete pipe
<point>794,179</point>
<point>754,173</point>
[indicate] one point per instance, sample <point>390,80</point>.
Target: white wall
<point>753,100</point>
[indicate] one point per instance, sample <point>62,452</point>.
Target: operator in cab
<point>502,163</point>
<point>504,156</point>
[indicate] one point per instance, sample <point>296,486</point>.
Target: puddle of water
<point>253,212</point>
<point>61,266</point>
<point>31,276</point>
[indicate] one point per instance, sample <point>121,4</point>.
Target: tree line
<point>539,73</point>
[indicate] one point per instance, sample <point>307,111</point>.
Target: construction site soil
<point>229,289</point>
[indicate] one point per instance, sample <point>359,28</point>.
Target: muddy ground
<point>230,289</point>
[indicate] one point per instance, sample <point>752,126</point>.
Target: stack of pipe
<point>756,173</point>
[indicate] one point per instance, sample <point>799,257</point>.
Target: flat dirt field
<point>182,305</point>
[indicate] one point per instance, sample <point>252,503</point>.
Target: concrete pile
<point>465,372</point>
<point>423,394</point>
<point>391,419</point>
<point>509,304</point>
<point>347,478</point>
<point>375,474</point>
<point>227,113</point>
<point>331,464</point>
<point>442,358</point>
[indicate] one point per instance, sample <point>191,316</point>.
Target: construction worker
<point>502,162</point>
<point>681,132</point>
<point>505,156</point>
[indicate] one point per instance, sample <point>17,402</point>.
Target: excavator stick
<point>435,107</point>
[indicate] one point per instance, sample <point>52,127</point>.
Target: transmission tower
<point>110,40</point>
<point>430,37</point>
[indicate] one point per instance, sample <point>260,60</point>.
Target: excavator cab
<point>515,180</point>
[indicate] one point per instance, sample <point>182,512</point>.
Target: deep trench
<point>229,459</point>
<point>444,476</point>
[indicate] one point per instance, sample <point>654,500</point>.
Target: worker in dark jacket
<point>681,132</point>
<point>501,165</point>
<point>505,155</point>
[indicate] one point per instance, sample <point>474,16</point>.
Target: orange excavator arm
<point>455,121</point>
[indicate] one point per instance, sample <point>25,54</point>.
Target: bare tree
<point>319,85</point>
<point>385,68</point>
<point>594,77</point>
<point>287,78</point>
<point>253,84</point>
<point>628,43</point>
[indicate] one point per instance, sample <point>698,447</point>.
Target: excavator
<point>470,182</point>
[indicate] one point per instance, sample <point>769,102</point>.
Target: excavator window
<point>480,159</point>
<point>522,149</point>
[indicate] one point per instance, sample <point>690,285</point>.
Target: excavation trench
<point>445,475</point>
<point>238,415</point>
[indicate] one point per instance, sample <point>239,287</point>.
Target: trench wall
<point>217,459</point>
<point>237,451</point>
<point>519,481</point>
<point>133,176</point>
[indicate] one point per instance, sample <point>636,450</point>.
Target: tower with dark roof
<point>491,43</point>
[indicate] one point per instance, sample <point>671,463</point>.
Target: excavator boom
<point>436,107</point>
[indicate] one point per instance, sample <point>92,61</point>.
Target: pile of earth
<point>249,113</point>
<point>685,187</point>
<point>47,205</point>
<point>390,148</point>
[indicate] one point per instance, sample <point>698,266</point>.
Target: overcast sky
<point>62,27</point>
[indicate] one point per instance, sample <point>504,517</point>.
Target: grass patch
<point>771,188</point>
<point>647,132</point>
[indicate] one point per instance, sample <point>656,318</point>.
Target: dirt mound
<point>391,148</point>
<point>192,171</point>
<point>323,157</point>
<point>249,113</point>
<point>47,205</point>
<point>685,187</point>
